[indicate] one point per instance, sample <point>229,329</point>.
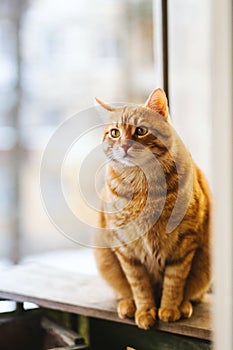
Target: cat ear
<point>105,105</point>
<point>158,102</point>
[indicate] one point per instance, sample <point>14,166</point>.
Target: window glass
<point>189,74</point>
<point>67,55</point>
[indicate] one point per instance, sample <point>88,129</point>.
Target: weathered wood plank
<point>86,295</point>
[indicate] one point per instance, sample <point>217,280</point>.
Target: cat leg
<point>172,306</point>
<point>110,269</point>
<point>197,282</point>
<point>142,290</point>
<point>199,278</point>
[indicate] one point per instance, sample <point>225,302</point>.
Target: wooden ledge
<point>86,295</point>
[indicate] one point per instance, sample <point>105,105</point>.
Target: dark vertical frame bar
<point>164,14</point>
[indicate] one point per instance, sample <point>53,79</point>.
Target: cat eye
<point>141,130</point>
<point>115,133</point>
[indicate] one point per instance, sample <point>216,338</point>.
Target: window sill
<point>86,295</point>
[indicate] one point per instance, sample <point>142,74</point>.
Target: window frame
<point>222,165</point>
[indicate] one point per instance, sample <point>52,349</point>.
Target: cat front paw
<point>169,314</point>
<point>126,308</point>
<point>145,319</point>
<point>186,309</point>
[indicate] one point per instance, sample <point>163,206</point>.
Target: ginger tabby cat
<point>153,248</point>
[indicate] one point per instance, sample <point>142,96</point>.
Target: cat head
<point>134,133</point>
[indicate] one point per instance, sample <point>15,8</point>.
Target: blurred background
<point>55,57</point>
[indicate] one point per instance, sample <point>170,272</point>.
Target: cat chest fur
<point>131,209</point>
<point>147,253</point>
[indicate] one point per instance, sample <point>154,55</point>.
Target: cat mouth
<point>128,159</point>
<point>126,155</point>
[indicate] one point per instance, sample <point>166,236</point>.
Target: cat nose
<point>126,145</point>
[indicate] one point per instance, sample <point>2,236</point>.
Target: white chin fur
<point>127,161</point>
<point>124,159</point>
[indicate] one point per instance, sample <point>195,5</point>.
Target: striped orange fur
<point>155,272</point>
